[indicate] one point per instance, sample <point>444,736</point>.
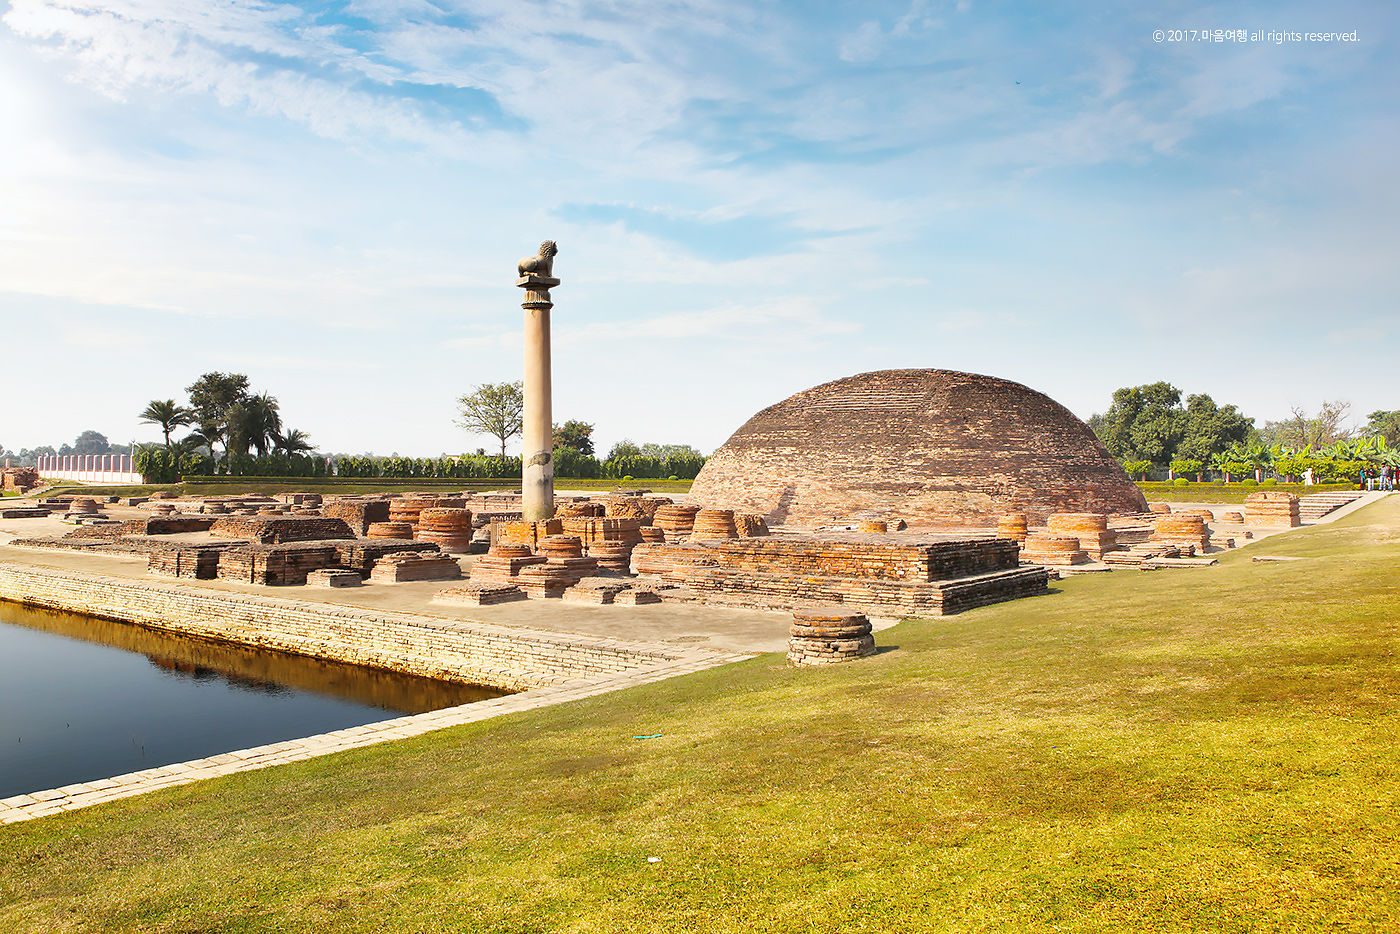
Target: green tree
<point>1139,469</point>
<point>1143,423</point>
<point>1302,430</point>
<point>91,442</point>
<point>211,397</point>
<point>168,415</point>
<point>1235,460</point>
<point>574,435</point>
<point>294,441</point>
<point>495,409</point>
<point>253,423</point>
<point>623,448</point>
<point>202,438</point>
<point>1384,424</point>
<point>663,451</point>
<point>1209,430</point>
<point>1187,465</point>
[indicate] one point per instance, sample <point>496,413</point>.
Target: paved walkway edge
<point>85,794</point>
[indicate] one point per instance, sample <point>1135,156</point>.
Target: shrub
<point>1181,481</point>
<point>1250,481</point>
<point>1269,481</point>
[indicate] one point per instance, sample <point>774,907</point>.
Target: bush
<point>163,465</point>
<point>1250,481</point>
<point>1181,481</point>
<point>1269,481</point>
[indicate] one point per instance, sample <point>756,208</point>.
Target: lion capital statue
<point>541,264</point>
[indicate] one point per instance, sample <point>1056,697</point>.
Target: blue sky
<point>750,199</point>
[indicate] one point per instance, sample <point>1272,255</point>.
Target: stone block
<point>276,565</point>
<point>404,566</point>
<point>333,577</point>
<point>476,593</point>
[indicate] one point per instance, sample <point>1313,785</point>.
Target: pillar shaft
<point>537,435</point>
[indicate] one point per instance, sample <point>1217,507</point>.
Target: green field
<point>1200,750</point>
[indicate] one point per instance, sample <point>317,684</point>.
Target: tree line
<point>240,433</point>
<point>1150,430</point>
<point>89,441</point>
<point>496,409</point>
<point>235,431</point>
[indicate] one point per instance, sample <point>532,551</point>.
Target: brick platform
<point>414,566</point>
<point>361,554</point>
<point>196,562</point>
<point>475,593</point>
<point>277,530</point>
<point>276,565</point>
<point>333,577</point>
<point>926,579</point>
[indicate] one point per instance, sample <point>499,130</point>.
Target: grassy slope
<point>1208,750</point>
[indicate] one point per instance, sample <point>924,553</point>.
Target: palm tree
<point>205,436</point>
<point>168,415</point>
<point>253,423</point>
<point>295,441</point>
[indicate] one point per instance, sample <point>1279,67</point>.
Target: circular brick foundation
<point>828,636</point>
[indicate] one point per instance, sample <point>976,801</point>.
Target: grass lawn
<point>1197,750</point>
<point>1159,491</point>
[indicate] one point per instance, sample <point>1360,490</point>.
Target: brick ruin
<point>889,578</point>
<point>19,479</point>
<point>935,448</point>
<point>621,550</point>
<point>1270,508</point>
<point>828,636</point>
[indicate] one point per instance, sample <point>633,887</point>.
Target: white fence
<point>89,468</point>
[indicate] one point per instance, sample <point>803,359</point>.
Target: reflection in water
<point>84,698</point>
<point>255,670</point>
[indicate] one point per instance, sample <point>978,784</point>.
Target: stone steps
<point>1316,505</point>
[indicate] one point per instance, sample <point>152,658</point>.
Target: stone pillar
<point>537,432</point>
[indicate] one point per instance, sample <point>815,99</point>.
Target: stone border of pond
<point>545,667</point>
<point>85,794</point>
<point>511,657</point>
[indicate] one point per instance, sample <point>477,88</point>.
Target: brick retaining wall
<point>423,645</point>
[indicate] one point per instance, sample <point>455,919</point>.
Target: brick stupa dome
<point>932,447</point>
